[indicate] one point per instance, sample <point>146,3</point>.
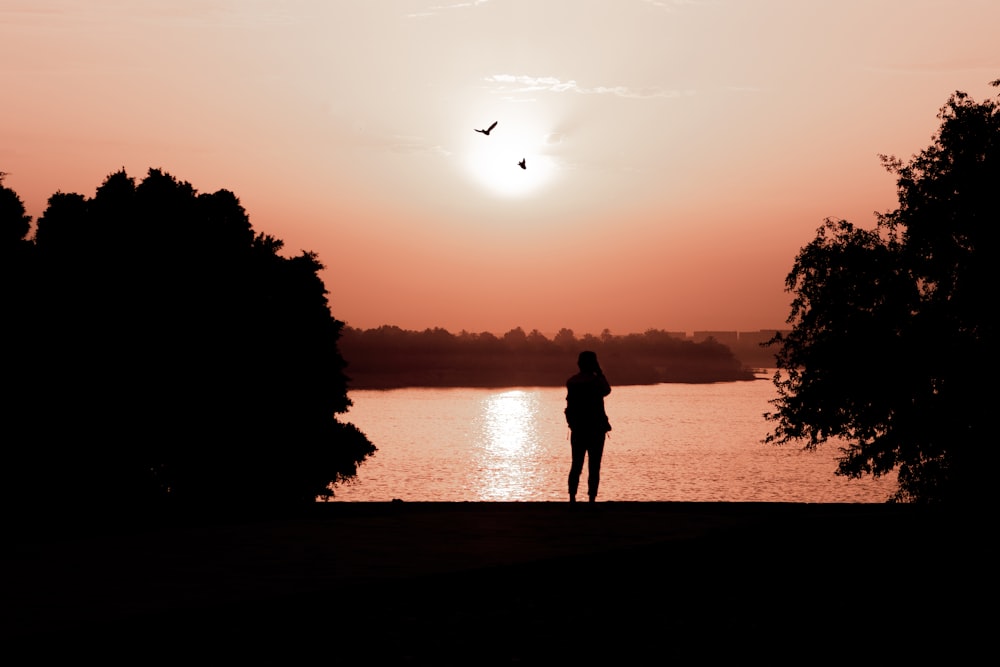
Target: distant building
<point>750,348</point>
<point>755,338</point>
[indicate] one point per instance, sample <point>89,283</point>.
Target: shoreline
<point>367,384</point>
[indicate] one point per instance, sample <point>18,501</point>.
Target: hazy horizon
<point>577,334</point>
<point>679,153</point>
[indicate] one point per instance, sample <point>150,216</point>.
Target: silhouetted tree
<point>516,339</point>
<point>14,222</point>
<point>176,358</point>
<point>565,339</point>
<point>893,331</point>
<point>17,312</point>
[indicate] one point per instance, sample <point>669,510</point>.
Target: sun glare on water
<point>509,448</point>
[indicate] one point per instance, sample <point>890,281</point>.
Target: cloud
<point>510,83</point>
<point>379,140</point>
<point>436,9</point>
<point>433,10</point>
<point>670,4</point>
<point>408,144</point>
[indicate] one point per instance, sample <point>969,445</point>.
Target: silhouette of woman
<point>588,422</point>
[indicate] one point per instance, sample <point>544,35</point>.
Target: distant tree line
<point>388,357</point>
<point>159,353</point>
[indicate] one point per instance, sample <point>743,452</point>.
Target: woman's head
<point>587,361</point>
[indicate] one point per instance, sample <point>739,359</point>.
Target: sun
<point>493,160</point>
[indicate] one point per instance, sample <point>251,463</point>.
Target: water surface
<point>670,442</point>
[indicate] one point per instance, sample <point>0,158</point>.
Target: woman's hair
<point>587,361</point>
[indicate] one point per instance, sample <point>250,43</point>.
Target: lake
<point>670,442</point>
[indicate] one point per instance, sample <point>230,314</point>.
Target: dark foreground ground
<point>509,583</point>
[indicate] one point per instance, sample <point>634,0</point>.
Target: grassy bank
<point>505,583</point>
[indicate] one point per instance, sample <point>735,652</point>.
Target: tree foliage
<point>14,222</point>
<point>389,357</point>
<point>167,354</point>
<point>892,335</point>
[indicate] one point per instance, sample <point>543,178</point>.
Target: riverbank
<point>503,583</point>
<point>392,358</point>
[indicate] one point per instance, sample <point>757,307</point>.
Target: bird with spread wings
<point>489,129</point>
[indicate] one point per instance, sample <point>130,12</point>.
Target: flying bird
<point>521,164</point>
<point>489,129</point>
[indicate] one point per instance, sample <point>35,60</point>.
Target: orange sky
<point>679,153</point>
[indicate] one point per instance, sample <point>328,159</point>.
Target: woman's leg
<point>594,455</point>
<point>579,446</point>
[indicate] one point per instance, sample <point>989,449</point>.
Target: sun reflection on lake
<point>671,443</point>
<point>508,446</point>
